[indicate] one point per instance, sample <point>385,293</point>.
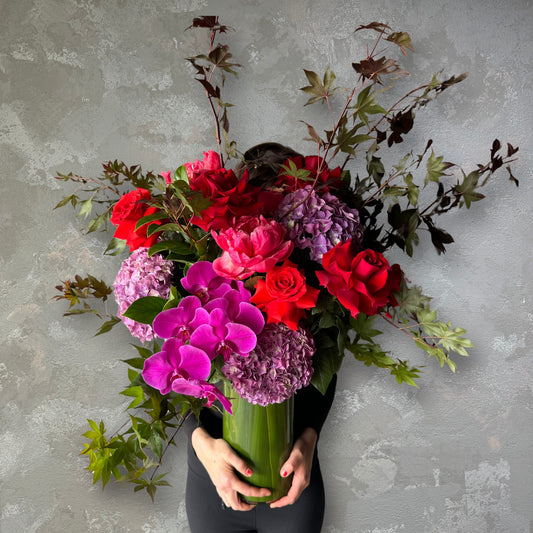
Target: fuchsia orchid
<point>184,369</point>
<point>233,326</point>
<point>202,281</point>
<point>174,364</point>
<point>181,321</point>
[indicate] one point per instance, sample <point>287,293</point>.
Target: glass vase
<point>263,437</point>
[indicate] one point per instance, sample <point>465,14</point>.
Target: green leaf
<point>145,309</point>
<point>410,299</point>
<point>135,392</point>
<point>367,105</point>
<point>435,168</point>
<point>181,174</point>
<point>412,190</point>
<point>468,189</point>
<point>97,223</point>
<point>136,362</point>
<point>86,207</point>
<point>405,374</point>
<point>362,325</point>
<point>107,326</point>
<point>115,247</point>
<point>72,199</point>
<point>327,359</point>
<point>176,247</point>
<point>160,215</point>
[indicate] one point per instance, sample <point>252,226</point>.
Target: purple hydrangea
<point>319,222</point>
<point>279,365</point>
<point>140,276</point>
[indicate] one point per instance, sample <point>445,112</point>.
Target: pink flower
<point>211,161</point>
<point>254,244</point>
<point>167,176</point>
<point>175,364</point>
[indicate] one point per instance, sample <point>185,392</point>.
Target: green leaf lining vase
<point>263,437</point>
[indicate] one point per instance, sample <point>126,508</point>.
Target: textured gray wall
<point>83,81</point>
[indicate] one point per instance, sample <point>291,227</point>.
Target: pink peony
<point>253,244</point>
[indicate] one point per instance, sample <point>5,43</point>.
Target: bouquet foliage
<point>265,268</point>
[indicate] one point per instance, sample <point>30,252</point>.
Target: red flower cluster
<point>127,212</point>
<point>363,283</point>
<point>284,295</point>
<point>231,197</point>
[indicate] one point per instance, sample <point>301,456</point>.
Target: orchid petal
<point>195,362</point>
<point>241,337</point>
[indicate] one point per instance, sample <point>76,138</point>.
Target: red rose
<point>231,197</point>
<point>362,283</point>
<point>284,295</point>
<point>127,212</point>
<point>326,178</point>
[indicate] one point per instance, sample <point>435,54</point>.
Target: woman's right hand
<point>221,462</point>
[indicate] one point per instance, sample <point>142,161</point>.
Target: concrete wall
<point>84,81</point>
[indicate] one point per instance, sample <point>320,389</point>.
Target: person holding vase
<point>219,498</point>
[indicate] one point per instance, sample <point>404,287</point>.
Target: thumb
<point>239,464</point>
<point>288,467</point>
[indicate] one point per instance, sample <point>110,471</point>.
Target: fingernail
<point>248,472</point>
<point>284,473</point>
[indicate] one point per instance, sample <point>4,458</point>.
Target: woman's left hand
<point>299,464</point>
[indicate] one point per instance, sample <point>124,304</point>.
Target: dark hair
<point>263,162</point>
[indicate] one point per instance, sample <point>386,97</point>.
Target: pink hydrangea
<point>279,365</point>
<point>140,276</point>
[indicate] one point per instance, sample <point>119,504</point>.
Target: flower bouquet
<point>261,270</point>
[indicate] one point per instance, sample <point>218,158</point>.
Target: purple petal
<point>206,339</point>
<point>199,275</point>
<point>183,386</point>
<point>250,316</point>
<point>168,323</point>
<point>242,338</point>
<point>157,372</point>
<point>195,362</point>
<point>211,393</point>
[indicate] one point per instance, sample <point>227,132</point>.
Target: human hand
<point>221,462</point>
<point>299,463</point>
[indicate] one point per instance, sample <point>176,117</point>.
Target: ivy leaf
<point>403,373</point>
<point>86,208</point>
<point>320,89</point>
<point>467,189</point>
<point>108,325</point>
<point>136,393</point>
<point>410,299</point>
<point>412,190</point>
<point>72,199</point>
<point>362,325</point>
<point>401,39</point>
<point>436,167</point>
<point>367,105</point>
<point>115,247</point>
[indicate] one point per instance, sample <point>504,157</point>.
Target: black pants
<point>206,513</point>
